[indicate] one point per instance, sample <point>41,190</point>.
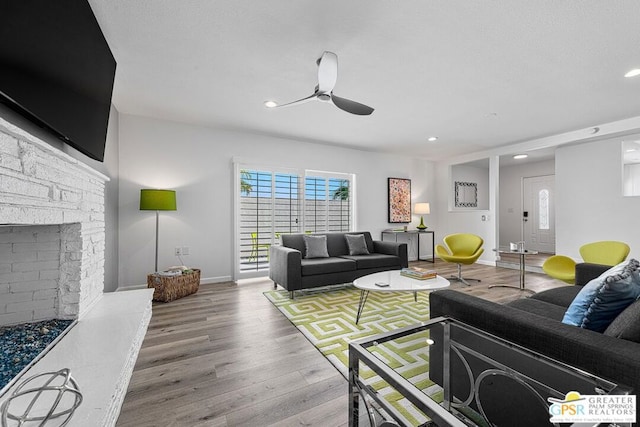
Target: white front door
<point>538,213</point>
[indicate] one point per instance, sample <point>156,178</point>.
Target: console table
<point>393,236</point>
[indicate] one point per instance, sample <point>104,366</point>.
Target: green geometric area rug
<point>326,317</point>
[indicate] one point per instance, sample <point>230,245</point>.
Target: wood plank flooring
<point>227,357</point>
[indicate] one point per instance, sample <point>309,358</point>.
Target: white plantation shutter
<point>272,203</point>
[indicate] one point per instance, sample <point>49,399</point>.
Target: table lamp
<point>157,200</point>
<point>422,209</point>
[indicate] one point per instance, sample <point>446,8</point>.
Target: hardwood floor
<point>227,357</point>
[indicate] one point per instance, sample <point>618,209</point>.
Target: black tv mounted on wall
<point>57,70</point>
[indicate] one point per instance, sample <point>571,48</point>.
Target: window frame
<point>302,174</point>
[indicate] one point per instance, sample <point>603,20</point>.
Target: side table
<point>522,253</point>
<point>411,233</point>
<point>169,288</point>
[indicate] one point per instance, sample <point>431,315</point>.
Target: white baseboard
<point>219,279</point>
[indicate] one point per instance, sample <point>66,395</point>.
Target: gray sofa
<point>536,323</point>
<point>289,268</point>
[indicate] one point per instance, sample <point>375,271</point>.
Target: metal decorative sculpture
<point>53,390</point>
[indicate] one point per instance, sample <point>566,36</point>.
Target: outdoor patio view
<point>272,204</point>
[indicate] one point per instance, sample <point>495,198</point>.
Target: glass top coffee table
<point>393,281</point>
<point>463,377</point>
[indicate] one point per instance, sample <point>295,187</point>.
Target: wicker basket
<point>171,288</point>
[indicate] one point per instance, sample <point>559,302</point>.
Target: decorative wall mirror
<point>466,194</point>
<point>469,186</point>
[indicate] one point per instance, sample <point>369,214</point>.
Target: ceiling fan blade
<point>327,72</point>
<point>350,106</point>
<point>298,102</point>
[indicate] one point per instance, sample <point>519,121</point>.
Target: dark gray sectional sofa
<point>289,268</point>
<point>536,323</point>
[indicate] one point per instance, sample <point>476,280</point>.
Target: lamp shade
<point>422,208</point>
<point>157,200</point>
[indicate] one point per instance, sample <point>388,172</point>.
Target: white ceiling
<point>478,74</point>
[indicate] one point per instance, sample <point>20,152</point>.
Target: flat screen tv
<point>57,70</point>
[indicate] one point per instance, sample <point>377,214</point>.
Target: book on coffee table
<point>418,273</point>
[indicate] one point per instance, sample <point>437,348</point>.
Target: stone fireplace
<point>52,232</point>
<point>52,249</point>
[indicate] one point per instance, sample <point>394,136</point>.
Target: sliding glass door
<point>272,203</point>
<point>269,206</point>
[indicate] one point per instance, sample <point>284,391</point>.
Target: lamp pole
<point>157,234</point>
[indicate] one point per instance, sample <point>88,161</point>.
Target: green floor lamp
<point>157,200</point>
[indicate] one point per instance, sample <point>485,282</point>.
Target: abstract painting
<point>399,200</point>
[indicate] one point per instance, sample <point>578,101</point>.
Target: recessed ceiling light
<point>520,156</point>
<point>630,150</point>
<point>270,104</point>
<point>633,73</point>
<point>432,138</point>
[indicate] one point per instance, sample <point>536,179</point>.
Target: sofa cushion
<point>294,241</point>
<point>315,247</point>
<point>373,260</point>
<point>539,307</point>
<point>337,244</point>
<point>602,299</point>
<point>627,324</point>
<point>326,265</point>
<point>562,296</point>
<point>357,244</point>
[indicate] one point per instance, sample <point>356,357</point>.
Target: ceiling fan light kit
<point>327,77</point>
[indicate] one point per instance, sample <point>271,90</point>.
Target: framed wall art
<point>399,200</point>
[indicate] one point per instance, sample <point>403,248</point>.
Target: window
<point>543,213</point>
<point>273,202</point>
<point>327,204</point>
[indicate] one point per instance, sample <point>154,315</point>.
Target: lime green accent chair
<point>606,252</point>
<point>560,267</point>
<point>461,249</point>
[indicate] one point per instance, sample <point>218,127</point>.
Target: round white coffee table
<point>396,283</point>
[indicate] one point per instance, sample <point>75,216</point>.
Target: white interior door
<point>538,213</point>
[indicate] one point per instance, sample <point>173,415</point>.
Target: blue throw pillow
<point>603,298</point>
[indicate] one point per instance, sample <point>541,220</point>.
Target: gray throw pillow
<point>627,325</point>
<point>316,246</point>
<point>357,244</point>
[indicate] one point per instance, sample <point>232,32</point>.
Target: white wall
<point>510,197</point>
<point>589,203</point>
<point>197,163</point>
<point>467,221</point>
<point>472,174</point>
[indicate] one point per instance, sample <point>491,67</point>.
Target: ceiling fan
<point>327,76</point>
